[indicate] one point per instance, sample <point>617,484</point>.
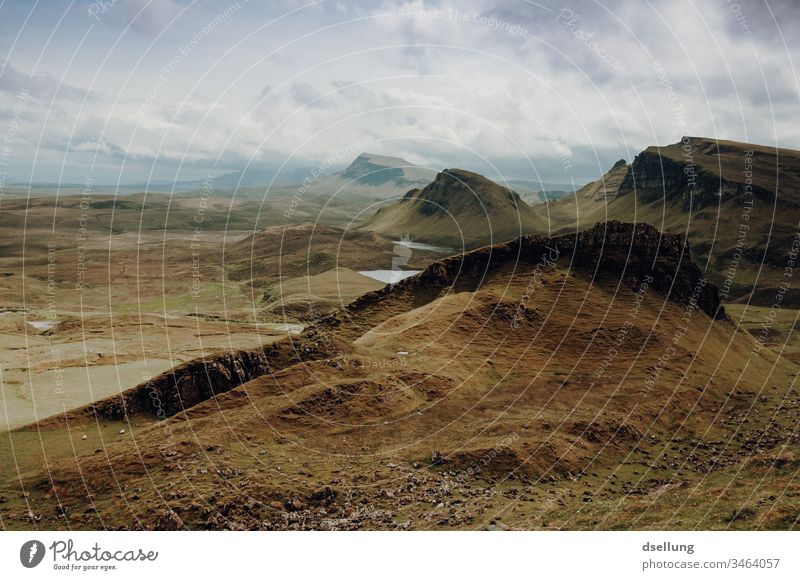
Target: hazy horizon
<point>132,91</point>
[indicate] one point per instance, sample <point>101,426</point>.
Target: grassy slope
<point>349,445</point>
<point>459,209</point>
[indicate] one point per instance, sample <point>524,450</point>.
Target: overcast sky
<point>134,90</point>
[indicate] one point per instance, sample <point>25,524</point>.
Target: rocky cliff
<point>193,382</point>
<point>607,187</point>
<point>698,173</point>
<point>186,385</point>
<point>629,251</point>
<point>622,250</point>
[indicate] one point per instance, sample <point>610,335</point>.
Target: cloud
<point>146,17</point>
<point>306,95</point>
<point>265,91</point>
<point>41,86</point>
<point>554,88</point>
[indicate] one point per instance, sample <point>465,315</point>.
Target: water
<point>41,325</point>
<point>292,328</point>
<point>420,246</point>
<point>389,276</point>
<point>48,392</point>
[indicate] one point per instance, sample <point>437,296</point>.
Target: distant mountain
<point>607,187</point>
<point>593,196</point>
<point>726,195</point>
<point>376,170</point>
<point>254,176</point>
<point>536,192</point>
<point>458,207</point>
<point>370,176</point>
<point>545,195</point>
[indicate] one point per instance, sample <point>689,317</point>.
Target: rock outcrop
<point>607,187</point>
<point>195,381</point>
<point>187,385</point>
<point>631,252</point>
<point>696,172</point>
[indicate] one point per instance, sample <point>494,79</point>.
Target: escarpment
<point>628,251</point>
<point>698,173</point>
<point>187,385</point>
<point>625,252</point>
<point>201,379</point>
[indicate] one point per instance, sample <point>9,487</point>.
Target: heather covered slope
<point>566,383</point>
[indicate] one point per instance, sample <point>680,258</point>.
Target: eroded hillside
<point>544,383</point>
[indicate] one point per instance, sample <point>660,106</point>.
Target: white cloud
<point>147,17</point>
<point>446,82</point>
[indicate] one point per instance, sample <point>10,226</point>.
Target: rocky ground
<point>498,391</point>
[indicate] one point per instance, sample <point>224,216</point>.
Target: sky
<point>134,91</point>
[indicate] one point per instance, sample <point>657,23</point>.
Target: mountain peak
<point>458,207</point>
<point>463,176</point>
<point>376,170</point>
<point>381,160</point>
<point>461,189</point>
